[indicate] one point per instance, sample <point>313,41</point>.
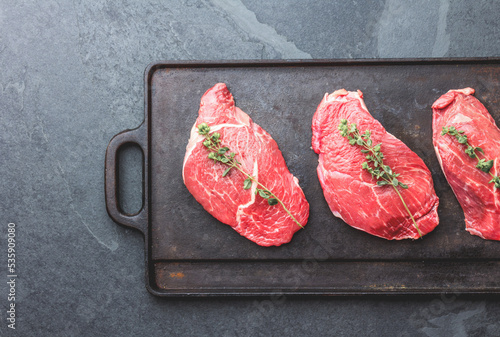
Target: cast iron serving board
<point>190,253</point>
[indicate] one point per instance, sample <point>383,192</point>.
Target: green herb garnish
<point>483,164</point>
<point>375,161</point>
<point>223,155</point>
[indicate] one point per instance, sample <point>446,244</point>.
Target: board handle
<point>138,220</point>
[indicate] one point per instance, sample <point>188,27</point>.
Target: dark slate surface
<point>72,76</point>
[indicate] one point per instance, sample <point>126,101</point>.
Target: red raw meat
<point>224,197</point>
<point>351,192</point>
<point>480,200</point>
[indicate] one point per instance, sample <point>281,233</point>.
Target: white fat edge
<point>242,117</point>
<point>255,174</point>
<point>321,177</point>
<point>438,155</point>
<point>440,161</point>
<point>474,231</point>
<point>195,138</point>
<point>358,95</point>
<point>460,118</point>
<point>334,96</point>
<point>465,91</point>
<point>337,214</point>
<point>342,95</point>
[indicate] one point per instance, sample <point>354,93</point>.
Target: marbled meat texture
<point>480,200</point>
<point>224,197</point>
<point>351,192</point>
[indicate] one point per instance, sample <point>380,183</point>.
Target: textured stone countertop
<point>72,77</point>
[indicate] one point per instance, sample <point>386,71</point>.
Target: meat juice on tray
<point>371,179</point>
<point>467,143</point>
<point>236,171</point>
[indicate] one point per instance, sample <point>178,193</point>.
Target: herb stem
<point>399,195</point>
<point>406,207</point>
<point>271,193</point>
<point>383,173</point>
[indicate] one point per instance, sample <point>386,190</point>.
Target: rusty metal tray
<point>189,253</point>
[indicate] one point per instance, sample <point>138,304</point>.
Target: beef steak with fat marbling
<point>351,192</point>
<point>259,155</point>
<point>480,200</point>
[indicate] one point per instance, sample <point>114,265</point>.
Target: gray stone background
<point>71,77</point>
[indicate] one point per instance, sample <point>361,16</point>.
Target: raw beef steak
<point>480,200</point>
<point>224,197</point>
<point>351,192</point>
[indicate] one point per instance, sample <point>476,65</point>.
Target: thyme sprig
<point>483,164</point>
<point>223,155</point>
<point>375,161</point>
